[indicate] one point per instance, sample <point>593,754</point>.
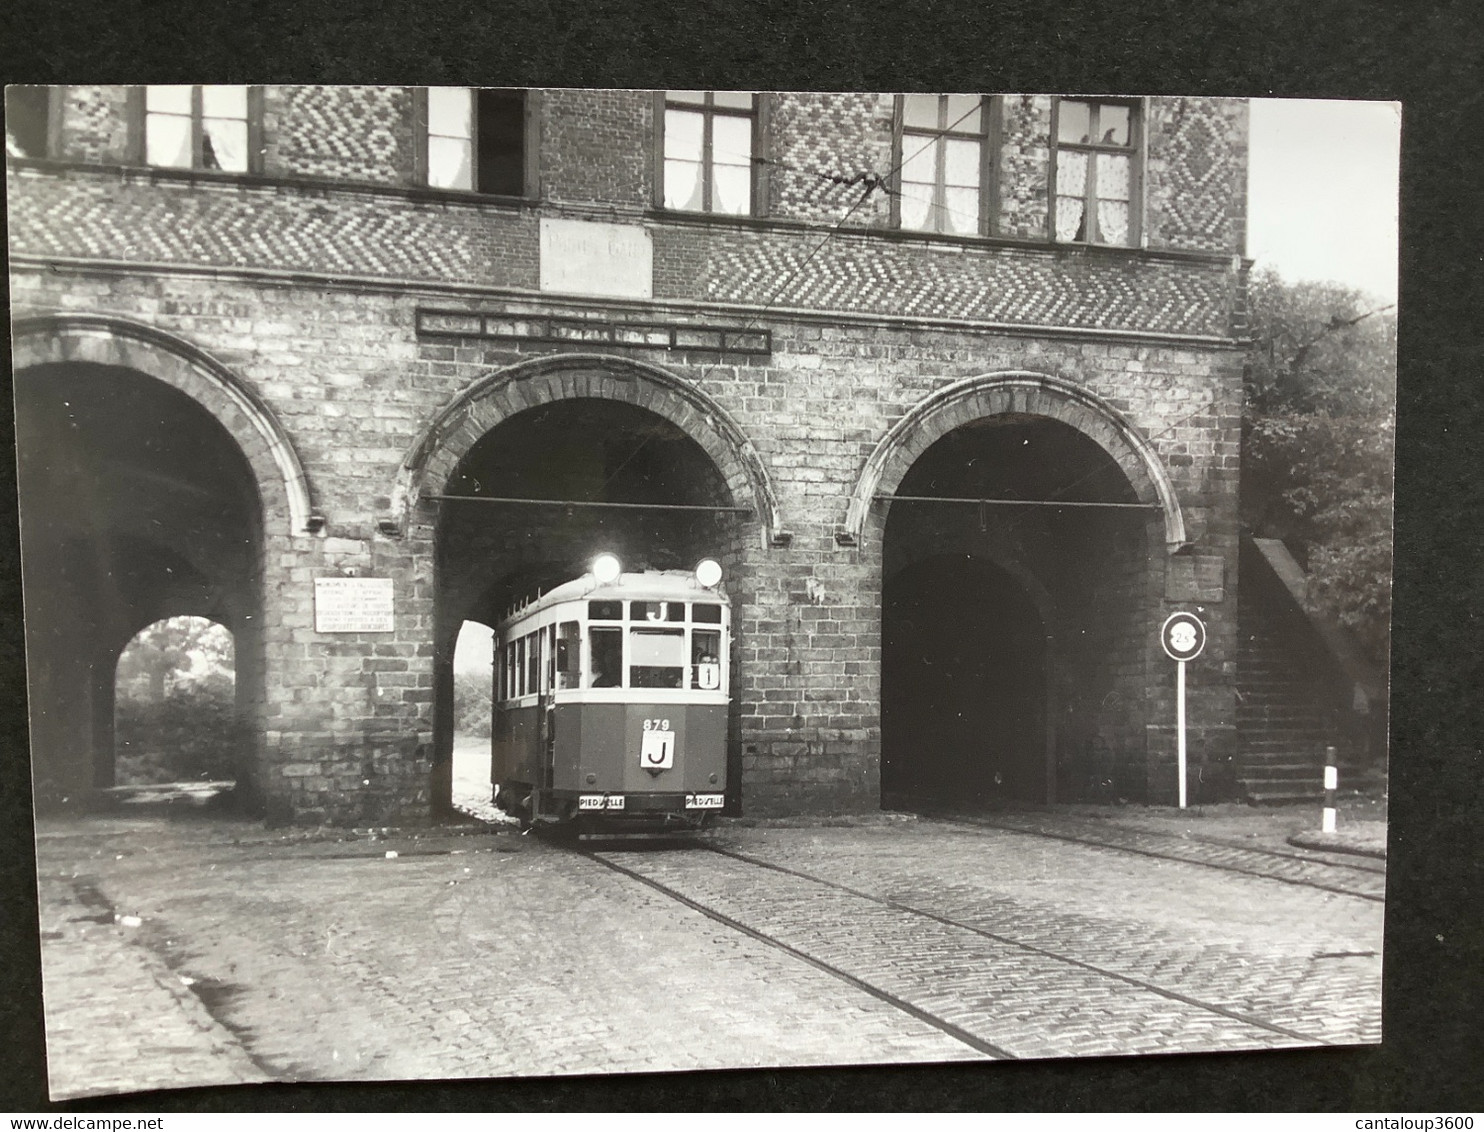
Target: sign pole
<point>1182,636</point>
<point>1180,723</point>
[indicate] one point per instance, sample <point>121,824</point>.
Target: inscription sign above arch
<point>459,425</point>
<point>119,343</point>
<point>1022,392</point>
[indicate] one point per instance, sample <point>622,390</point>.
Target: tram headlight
<point>606,568</point>
<point>708,572</point>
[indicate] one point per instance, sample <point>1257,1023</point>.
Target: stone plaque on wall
<point>582,257</point>
<point>353,605</point>
<point>1196,577</point>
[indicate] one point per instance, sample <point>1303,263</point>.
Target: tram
<point>610,701</point>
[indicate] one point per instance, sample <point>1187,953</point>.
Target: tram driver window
<point>705,657</point>
<point>606,669</point>
<point>656,658</point>
<point>568,658</point>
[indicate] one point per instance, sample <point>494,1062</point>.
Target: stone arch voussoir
<point>1015,392</point>
<point>462,421</point>
<point>119,343</point>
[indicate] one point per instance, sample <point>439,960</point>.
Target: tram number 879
<point>611,702</point>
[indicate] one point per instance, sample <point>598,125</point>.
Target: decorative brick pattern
<point>1024,166</point>
<point>1197,173</point>
<point>227,225</point>
<point>1062,287</point>
<point>95,124</point>
<point>342,133</point>
<point>818,136</point>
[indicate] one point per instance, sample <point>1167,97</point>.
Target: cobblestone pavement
<point>1344,873</point>
<point>312,957</point>
<point>1302,959</point>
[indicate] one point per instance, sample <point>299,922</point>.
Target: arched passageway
<point>137,505</point>
<point>1013,630</point>
<point>963,713</point>
<point>567,453</point>
<point>175,710</point>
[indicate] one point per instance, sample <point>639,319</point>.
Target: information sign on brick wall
<point>353,605</point>
<point>581,257</point>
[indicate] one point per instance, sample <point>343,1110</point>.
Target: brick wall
<point>347,721</point>
<point>95,124</point>
<point>597,145</point>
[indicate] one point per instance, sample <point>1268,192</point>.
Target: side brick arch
<point>106,341</point>
<point>1023,392</point>
<point>459,425</point>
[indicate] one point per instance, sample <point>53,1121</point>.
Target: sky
<point>1322,206</point>
<point>1322,191</point>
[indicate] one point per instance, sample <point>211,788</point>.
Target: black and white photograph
<point>542,583</point>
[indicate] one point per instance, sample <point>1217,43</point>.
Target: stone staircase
<point>1299,691</point>
<point>1281,730</point>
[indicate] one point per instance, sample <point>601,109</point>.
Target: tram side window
<point>533,664</point>
<point>568,655</point>
<point>520,667</point>
<point>510,671</point>
<point>606,668</point>
<point>705,658</point>
<point>656,658</point>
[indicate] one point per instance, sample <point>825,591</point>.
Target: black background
<point>1427,55</point>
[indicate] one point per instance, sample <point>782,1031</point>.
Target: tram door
<point>963,687</point>
<point>545,715</point>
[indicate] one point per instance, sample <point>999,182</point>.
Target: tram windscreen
<point>607,658</point>
<point>656,658</point>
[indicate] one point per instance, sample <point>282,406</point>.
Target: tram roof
<point>648,585</point>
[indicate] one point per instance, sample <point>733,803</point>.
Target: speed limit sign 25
<point>1183,636</point>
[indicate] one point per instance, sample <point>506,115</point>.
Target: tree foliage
<point>472,702</point>
<point>193,733</point>
<point>175,715</point>
<point>174,652</point>
<point>1318,441</point>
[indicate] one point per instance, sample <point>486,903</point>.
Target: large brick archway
<point>159,484</point>
<point>119,343</point>
<point>1022,392</point>
<point>460,424</point>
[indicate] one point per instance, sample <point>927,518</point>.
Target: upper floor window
<point>200,127</point>
<point>476,139</point>
<point>30,120</point>
<point>940,162</point>
<point>710,140</point>
<point>1097,174</point>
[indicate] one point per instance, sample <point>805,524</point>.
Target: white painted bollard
<point>1331,784</point>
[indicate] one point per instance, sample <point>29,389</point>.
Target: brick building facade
<point>259,331</point>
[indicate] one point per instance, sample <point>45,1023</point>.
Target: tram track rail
<point>1249,860</point>
<point>600,856</point>
<point>973,1041</point>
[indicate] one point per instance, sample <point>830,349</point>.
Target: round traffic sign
<point>1183,636</point>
